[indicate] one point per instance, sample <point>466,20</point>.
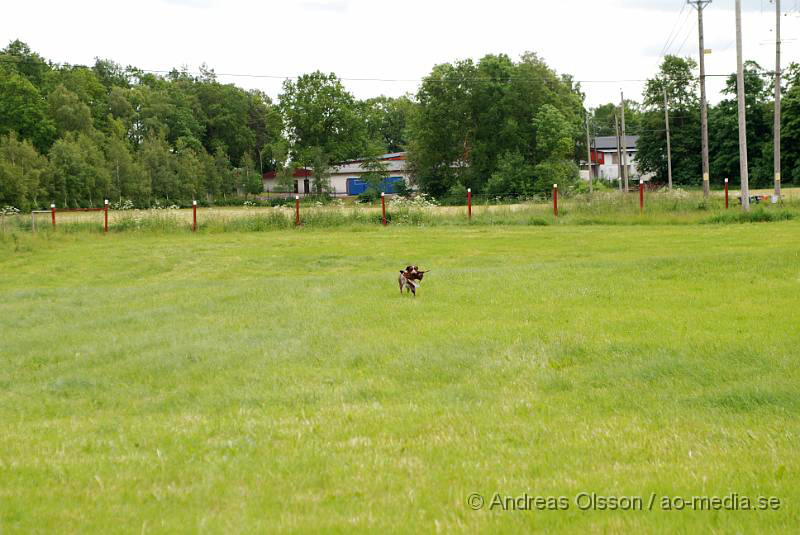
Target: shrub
<point>562,172</point>
<point>512,177</point>
<point>368,196</point>
<point>122,204</point>
<point>597,185</point>
<point>457,194</point>
<point>421,201</point>
<point>401,188</point>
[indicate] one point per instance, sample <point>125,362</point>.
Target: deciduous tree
<point>470,115</point>
<point>24,111</point>
<point>677,77</point>
<point>21,172</point>
<point>320,113</point>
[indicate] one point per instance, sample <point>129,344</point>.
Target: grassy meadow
<point>246,382</point>
<point>677,207</point>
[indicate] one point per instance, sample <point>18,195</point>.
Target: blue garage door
<point>390,183</point>
<point>356,186</point>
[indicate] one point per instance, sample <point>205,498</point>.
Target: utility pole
<point>700,5</point>
<point>669,149</point>
<point>596,154</point>
<point>745,189</point>
<point>619,154</point>
<point>624,143</point>
<point>588,152</point>
<point>777,129</point>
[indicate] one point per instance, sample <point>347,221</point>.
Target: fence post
<point>194,216</point>
<point>641,196</point>
<point>726,193</point>
<point>105,215</point>
<point>297,210</point>
<point>383,208</point>
<point>53,211</point>
<point>555,200</point>
<point>469,203</point>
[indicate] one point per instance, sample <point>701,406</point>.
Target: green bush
<point>401,188</point>
<point>369,196</point>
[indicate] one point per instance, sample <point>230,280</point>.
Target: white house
<point>605,159</point>
<point>346,177</point>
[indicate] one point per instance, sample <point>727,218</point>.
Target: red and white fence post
<point>194,216</point>
<point>641,196</point>
<point>297,210</point>
<point>469,203</point>
<point>53,212</point>
<point>383,208</point>
<point>726,193</point>
<point>105,215</point>
<point>555,200</point>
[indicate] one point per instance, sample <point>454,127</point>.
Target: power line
<point>689,30</point>
<point>670,38</point>
<point>393,80</point>
<point>699,5</point>
<point>686,39</point>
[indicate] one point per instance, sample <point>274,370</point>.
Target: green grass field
<point>278,382</point>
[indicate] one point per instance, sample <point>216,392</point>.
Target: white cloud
<point>674,5</point>
<point>336,6</point>
<point>191,3</point>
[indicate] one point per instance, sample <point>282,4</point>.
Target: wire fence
<point>603,207</point>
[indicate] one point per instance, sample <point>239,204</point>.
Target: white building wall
<point>340,174</point>
<point>610,170</point>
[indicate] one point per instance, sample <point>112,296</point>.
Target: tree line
<point>676,77</point>
<point>75,135</point>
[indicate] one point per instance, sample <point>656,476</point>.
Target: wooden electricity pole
<point>745,189</point>
<point>777,129</point>
<point>624,144</point>
<point>669,149</point>
<point>619,154</point>
<point>700,5</point>
<point>588,152</point>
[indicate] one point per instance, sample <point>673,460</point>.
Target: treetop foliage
<point>679,78</point>
<point>470,115</point>
<point>74,134</point>
<point>108,131</point>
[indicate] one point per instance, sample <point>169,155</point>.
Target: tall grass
<point>756,215</point>
<point>601,208</point>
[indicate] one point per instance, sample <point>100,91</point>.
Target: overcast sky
<point>616,40</point>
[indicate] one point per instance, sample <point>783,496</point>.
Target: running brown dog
<point>410,279</point>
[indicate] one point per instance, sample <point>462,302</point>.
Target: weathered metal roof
<point>610,142</point>
<point>395,161</point>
